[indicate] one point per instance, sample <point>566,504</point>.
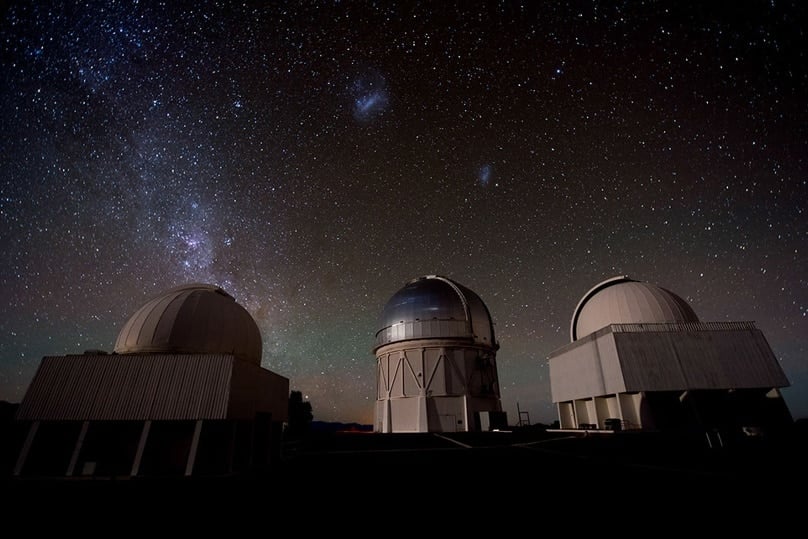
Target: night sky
<point>311,158</point>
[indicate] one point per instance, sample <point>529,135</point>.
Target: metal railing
<point>682,326</point>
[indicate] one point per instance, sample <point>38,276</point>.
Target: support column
<point>465,412</point>
<point>423,418</point>
<point>141,446</point>
<point>77,450</point>
<point>594,402</point>
<point>26,447</point>
<point>620,410</point>
<point>423,406</point>
<point>386,422</point>
<point>189,467</point>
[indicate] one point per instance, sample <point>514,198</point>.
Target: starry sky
<point>312,157</point>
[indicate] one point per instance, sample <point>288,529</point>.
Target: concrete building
<point>183,393</point>
<point>436,365</point>
<point>639,358</point>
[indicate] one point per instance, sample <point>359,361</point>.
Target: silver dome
<point>435,307</point>
<point>621,300</point>
<point>192,319</point>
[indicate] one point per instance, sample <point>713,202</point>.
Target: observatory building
<point>183,393</point>
<point>436,365</point>
<point>639,358</point>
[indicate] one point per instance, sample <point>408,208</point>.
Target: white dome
<point>192,319</point>
<point>620,300</point>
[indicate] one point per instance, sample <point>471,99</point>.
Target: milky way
<point>311,158</point>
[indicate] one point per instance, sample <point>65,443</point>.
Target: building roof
<point>621,300</point>
<point>192,319</point>
<point>432,307</point>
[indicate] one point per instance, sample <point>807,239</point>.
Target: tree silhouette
<point>300,416</point>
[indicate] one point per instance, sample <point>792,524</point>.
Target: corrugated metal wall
<point>664,357</point>
<point>117,387</point>
<point>728,359</point>
<point>577,373</point>
<point>255,389</point>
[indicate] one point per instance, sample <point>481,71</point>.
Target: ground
<point>472,480</point>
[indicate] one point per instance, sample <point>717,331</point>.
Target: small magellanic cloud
<point>370,97</point>
<point>484,175</point>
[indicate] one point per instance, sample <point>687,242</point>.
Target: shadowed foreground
<point>466,477</point>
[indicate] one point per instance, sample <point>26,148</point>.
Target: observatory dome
<point>621,300</point>
<point>192,319</point>
<point>435,307</point>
